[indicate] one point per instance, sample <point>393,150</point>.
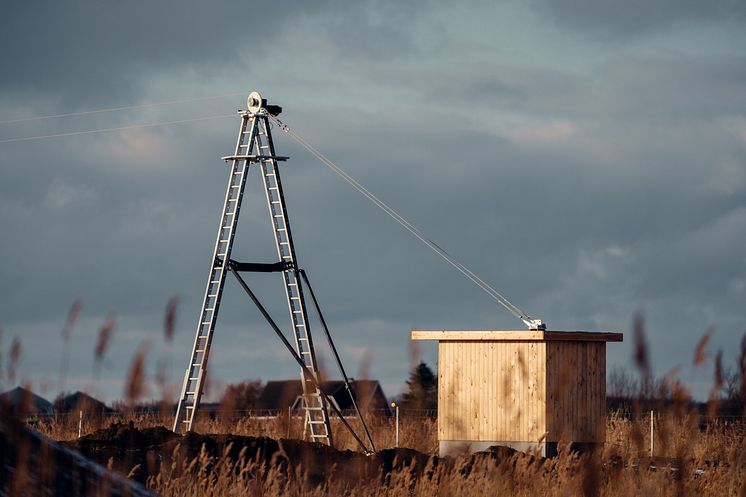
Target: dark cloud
<point>583,196</point>
<point>106,53</point>
<point>610,19</point>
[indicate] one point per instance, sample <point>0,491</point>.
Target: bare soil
<point>144,453</point>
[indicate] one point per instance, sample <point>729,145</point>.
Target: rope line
<point>114,109</point>
<point>119,128</point>
<point>497,296</point>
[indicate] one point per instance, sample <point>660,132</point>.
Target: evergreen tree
<point>422,390</point>
<point>240,398</point>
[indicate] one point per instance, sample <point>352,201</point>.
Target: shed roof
<point>517,335</point>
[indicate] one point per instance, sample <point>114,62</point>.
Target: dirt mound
<point>127,436</point>
<point>144,453</point>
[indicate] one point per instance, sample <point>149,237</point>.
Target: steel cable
<point>115,109</point>
<point>119,128</point>
<point>497,296</point>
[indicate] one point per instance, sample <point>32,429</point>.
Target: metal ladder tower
<point>254,146</point>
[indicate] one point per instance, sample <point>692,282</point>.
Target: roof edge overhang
<point>516,336</point>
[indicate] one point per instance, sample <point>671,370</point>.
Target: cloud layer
<point>586,180</point>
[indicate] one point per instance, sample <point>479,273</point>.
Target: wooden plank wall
<point>491,390</point>
<point>518,391</point>
<point>576,385</point>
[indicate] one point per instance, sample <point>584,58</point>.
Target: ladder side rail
<point>283,238</point>
<point>296,300</point>
<point>311,375</point>
<point>292,276</point>
<point>338,360</point>
<point>189,399</point>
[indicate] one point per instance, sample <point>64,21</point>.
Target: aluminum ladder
<point>254,145</point>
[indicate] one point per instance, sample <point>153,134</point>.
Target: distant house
<point>22,400</point>
<point>283,394</point>
<point>80,401</point>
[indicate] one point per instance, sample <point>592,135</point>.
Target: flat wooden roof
<point>517,335</point>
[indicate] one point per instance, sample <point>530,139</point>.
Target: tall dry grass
<point>621,469</point>
<point>696,454</point>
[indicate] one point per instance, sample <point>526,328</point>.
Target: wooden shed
<point>522,389</point>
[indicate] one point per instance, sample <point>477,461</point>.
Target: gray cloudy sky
<point>586,157</point>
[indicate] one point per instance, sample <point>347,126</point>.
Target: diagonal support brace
<point>336,357</point>
<point>297,358</point>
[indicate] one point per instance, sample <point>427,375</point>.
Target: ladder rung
<point>303,352</point>
<point>199,351</point>
<point>316,422</point>
<point>209,308</point>
<point>201,336</point>
<point>193,379</point>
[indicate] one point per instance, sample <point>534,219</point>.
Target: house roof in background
<point>281,394</point>
<point>20,396</point>
<point>80,400</point>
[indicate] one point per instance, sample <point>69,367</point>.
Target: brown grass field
<point>694,456</point>
<point>698,452</point>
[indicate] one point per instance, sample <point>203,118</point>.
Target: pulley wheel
<point>254,102</point>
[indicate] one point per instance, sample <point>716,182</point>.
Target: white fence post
<point>652,434</point>
<point>396,409</point>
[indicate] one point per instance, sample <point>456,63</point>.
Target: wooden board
<point>576,382</point>
<point>519,390</point>
<point>491,391</point>
<point>518,335</point>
